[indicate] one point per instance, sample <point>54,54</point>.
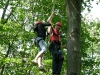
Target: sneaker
<point>41,68</point>
<point>34,62</point>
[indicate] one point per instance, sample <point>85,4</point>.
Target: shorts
<point>41,44</point>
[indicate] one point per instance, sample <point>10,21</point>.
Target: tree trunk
<point>73,41</point>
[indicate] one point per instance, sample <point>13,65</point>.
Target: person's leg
<point>42,49</point>
<point>40,64</point>
<point>60,62</point>
<point>57,67</point>
<point>54,64</point>
<point>39,55</point>
<point>54,61</point>
<point>42,46</point>
<point>40,61</point>
<point>57,62</point>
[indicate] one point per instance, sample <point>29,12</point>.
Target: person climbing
<point>40,30</point>
<point>55,46</point>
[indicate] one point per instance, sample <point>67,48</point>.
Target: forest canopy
<point>17,47</point>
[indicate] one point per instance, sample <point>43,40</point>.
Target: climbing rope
<point>54,3</point>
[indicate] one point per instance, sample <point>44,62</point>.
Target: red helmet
<point>59,24</point>
<point>38,22</point>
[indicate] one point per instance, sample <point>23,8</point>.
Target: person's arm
<point>49,21</point>
<point>35,28</point>
<point>50,30</point>
<point>63,46</point>
<point>50,17</point>
<point>46,24</point>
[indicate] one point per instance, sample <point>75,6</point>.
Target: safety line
<point>74,7</point>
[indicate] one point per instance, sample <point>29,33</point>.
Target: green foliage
<point>90,48</point>
<point>16,37</point>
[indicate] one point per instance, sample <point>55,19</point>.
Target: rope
<point>74,7</point>
<point>54,3</point>
<point>76,10</point>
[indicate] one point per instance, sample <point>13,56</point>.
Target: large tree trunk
<point>73,41</point>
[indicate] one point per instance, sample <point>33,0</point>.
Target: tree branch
<point>4,12</point>
<point>3,67</point>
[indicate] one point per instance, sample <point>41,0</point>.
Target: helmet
<point>38,22</point>
<point>59,24</point>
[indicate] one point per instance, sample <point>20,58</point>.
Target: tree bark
<point>73,10</point>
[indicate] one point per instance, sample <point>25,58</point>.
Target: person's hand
<point>50,17</point>
<point>52,13</point>
<point>35,26</point>
<point>63,46</point>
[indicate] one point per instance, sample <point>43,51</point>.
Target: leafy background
<point>17,47</point>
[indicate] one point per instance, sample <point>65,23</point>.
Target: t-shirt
<point>54,36</point>
<point>41,30</point>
